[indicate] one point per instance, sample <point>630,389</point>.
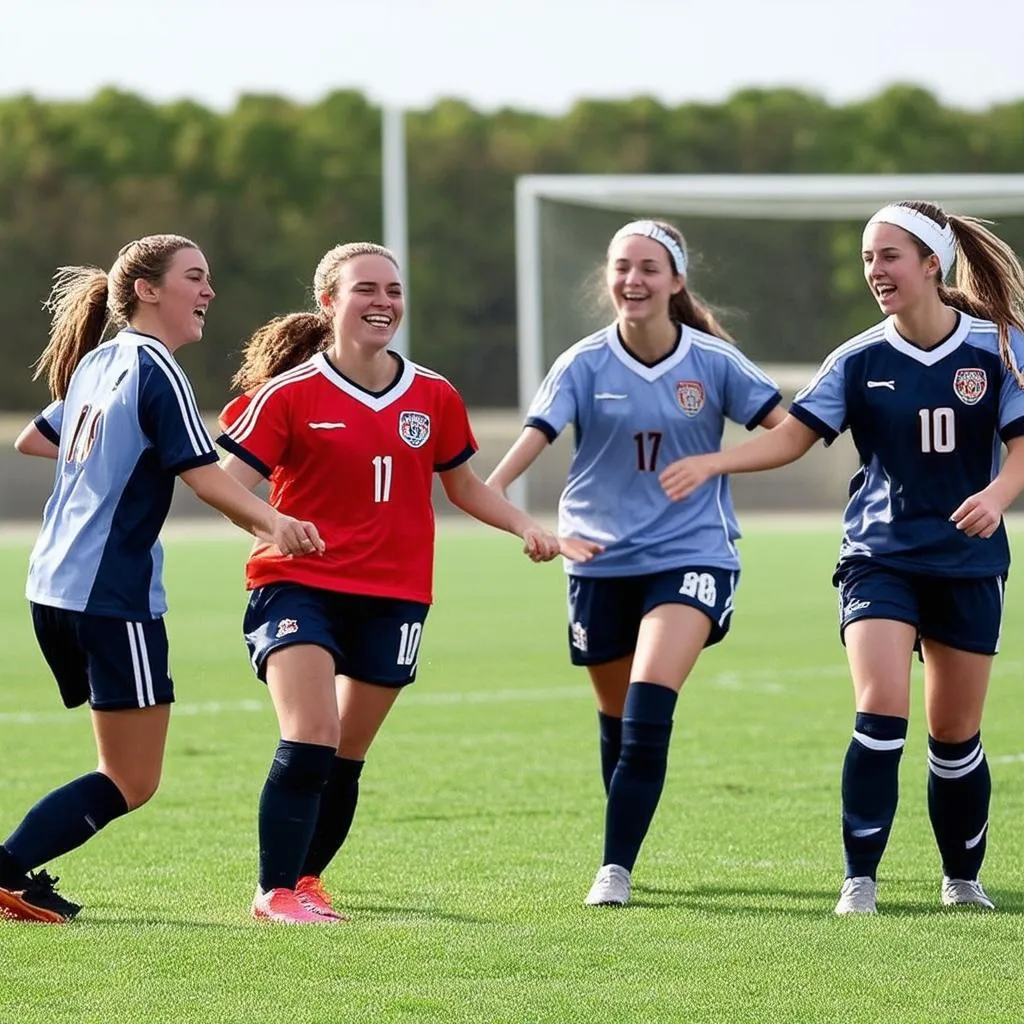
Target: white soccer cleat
<point>857,896</point>
<point>963,892</point>
<point>610,889</point>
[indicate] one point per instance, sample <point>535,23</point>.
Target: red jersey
<point>358,464</point>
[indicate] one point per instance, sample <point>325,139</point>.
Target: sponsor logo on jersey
<point>286,627</point>
<point>690,394</point>
<point>970,384</point>
<point>608,396</point>
<point>414,428</point>
<point>326,426</point>
<point>890,384</point>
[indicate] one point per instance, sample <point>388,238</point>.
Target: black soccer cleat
<point>39,901</point>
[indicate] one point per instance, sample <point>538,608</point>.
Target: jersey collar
<point>928,357</point>
<point>659,369</point>
<point>372,400</point>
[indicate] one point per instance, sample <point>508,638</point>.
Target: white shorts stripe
<point>147,669</point>
<point>136,667</point>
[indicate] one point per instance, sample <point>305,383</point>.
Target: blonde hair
<point>989,278</point>
<point>287,341</point>
<point>85,301</point>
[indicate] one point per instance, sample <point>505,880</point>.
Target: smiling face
<point>899,277</point>
<point>173,308</point>
<point>641,279</point>
<point>367,303</point>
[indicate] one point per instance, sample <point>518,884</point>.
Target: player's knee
<point>136,787</point>
<point>952,728</point>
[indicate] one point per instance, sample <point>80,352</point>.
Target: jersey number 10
<point>938,430</point>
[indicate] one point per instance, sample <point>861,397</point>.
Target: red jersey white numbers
<point>359,465</point>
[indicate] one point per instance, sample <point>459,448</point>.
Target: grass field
<point>480,828</point>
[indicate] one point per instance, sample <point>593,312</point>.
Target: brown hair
<point>287,341</point>
<point>85,301</point>
<point>687,307</point>
<point>989,277</point>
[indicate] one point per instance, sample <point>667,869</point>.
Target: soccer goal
<point>777,255</point>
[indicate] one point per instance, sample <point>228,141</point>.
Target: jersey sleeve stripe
<point>42,424</point>
<point>808,419</point>
<point>543,426</point>
<point>202,443</point>
<point>245,424</point>
<point>736,357</point>
<point>1015,428</point>
<point>229,444</point>
<point>874,337</point>
<point>467,453</point>
<point>755,420</point>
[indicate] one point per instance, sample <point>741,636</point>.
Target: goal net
<point>776,256</point>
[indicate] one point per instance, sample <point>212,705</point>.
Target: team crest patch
<point>690,394</point>
<point>970,385</point>
<point>286,627</point>
<point>414,428</point>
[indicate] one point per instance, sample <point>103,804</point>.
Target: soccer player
<point>353,437</point>
<point>928,394</point>
<point>123,426</point>
<point>655,385</point>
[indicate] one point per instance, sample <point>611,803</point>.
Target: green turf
<point>480,827</point>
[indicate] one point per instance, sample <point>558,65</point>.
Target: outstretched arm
<point>981,513</point>
<point>31,441</point>
<point>468,492</point>
<point>779,446</point>
<point>518,459</point>
<point>224,493</point>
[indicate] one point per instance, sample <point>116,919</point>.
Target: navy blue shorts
<point>372,639</point>
<point>605,611</point>
<point>111,663</point>
<point>965,614</point>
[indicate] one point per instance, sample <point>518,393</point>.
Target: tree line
<point>266,187</point>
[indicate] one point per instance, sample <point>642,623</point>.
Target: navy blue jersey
<point>927,425</point>
<point>128,425</point>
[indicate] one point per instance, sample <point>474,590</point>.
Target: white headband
<point>649,229</point>
<point>941,241</point>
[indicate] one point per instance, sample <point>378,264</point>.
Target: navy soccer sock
<point>63,820</point>
<point>959,789</point>
<point>871,789</point>
<point>288,810</point>
<point>611,746</point>
<point>334,818</point>
<point>640,774</point>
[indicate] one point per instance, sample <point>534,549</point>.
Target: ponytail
<point>280,345</point>
<point>79,320</point>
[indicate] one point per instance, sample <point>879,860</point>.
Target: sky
<point>530,54</point>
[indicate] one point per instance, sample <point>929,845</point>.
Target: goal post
<point>587,208</point>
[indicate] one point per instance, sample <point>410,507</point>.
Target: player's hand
<point>294,537</point>
<point>681,478</point>
<point>579,550</point>
<point>540,545</point>
<point>980,515</point>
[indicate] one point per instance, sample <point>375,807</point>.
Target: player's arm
<point>773,419</point>
<point>32,441</point>
<point>468,492</point>
<point>781,445</point>
<point>981,513</point>
<point>518,459</point>
<point>224,493</point>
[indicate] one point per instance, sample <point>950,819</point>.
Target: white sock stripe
<point>972,843</point>
<point>147,670</point>
<point>133,646</point>
<point>955,762</point>
<point>957,773</point>
<point>872,744</point>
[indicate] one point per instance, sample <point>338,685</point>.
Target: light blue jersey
<point>928,425</point>
<point>128,425</point>
<point>631,420</point>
